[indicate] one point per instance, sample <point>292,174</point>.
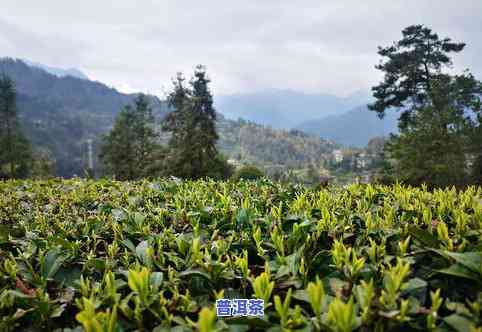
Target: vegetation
<point>60,115</point>
<point>248,172</point>
<point>15,154</point>
<point>275,151</point>
<point>112,256</point>
<point>131,148</point>
<point>440,111</point>
<point>192,127</point>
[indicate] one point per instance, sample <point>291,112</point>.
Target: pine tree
<point>412,64</point>
<point>15,153</point>
<point>204,133</point>
<point>130,149</point>
<point>192,125</point>
<point>437,108</point>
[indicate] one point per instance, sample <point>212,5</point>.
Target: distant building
<point>234,162</point>
<point>337,156</point>
<point>362,160</point>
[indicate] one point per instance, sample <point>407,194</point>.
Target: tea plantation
<point>140,256</point>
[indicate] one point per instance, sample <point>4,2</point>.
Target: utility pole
<point>90,159</point>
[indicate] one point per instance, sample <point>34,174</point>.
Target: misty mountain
<point>284,108</point>
<point>59,72</point>
<point>60,114</point>
<point>352,128</point>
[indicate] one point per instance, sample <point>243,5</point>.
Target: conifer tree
<point>204,133</point>
<point>192,125</point>
<point>437,109</point>
<point>131,146</point>
<point>15,152</point>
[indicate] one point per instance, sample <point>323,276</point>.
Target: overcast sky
<point>312,46</point>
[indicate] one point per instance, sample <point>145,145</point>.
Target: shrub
<point>248,172</point>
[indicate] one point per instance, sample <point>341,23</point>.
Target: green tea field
<point>80,255</point>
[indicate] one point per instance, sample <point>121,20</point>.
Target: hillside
<point>272,149</point>
<point>284,108</point>
<point>353,128</point>
<point>62,113</point>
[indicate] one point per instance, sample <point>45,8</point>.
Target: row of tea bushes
<point>140,256</point>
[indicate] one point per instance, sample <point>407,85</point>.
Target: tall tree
<point>205,134</point>
<point>192,125</point>
<point>131,146</point>
<point>437,109</point>
<point>180,124</point>
<point>15,153</point>
<point>411,65</point>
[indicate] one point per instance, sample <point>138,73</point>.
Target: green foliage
<point>411,65</point>
<point>439,110</point>
<point>248,172</point>
<point>276,151</point>
<point>130,149</point>
<point>129,256</point>
<point>192,127</point>
<point>60,114</point>
<point>43,164</point>
<point>15,154</point>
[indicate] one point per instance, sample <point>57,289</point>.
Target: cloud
<point>311,46</point>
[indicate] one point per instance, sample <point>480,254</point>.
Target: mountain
<point>353,128</point>
<point>61,114</point>
<point>284,108</point>
<point>59,72</point>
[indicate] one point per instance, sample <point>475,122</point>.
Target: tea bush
<point>122,256</point>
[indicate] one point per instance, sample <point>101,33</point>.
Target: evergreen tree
<point>192,125</point>
<point>437,109</point>
<point>180,124</point>
<point>411,66</point>
<point>204,133</point>
<point>15,153</point>
<point>130,149</point>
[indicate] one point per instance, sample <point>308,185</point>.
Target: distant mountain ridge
<point>344,120</point>
<point>284,109</point>
<point>353,128</point>
<point>59,72</point>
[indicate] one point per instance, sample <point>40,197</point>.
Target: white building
<point>337,156</point>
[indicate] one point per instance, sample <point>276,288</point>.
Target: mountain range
<point>352,128</point>
<point>344,120</point>
<point>61,113</point>
<point>283,109</point>
<point>59,72</point>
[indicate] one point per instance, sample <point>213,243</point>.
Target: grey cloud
<point>313,46</point>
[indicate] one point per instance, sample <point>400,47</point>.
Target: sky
<point>247,46</point>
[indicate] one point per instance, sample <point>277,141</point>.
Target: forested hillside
<point>270,148</point>
<point>60,114</point>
